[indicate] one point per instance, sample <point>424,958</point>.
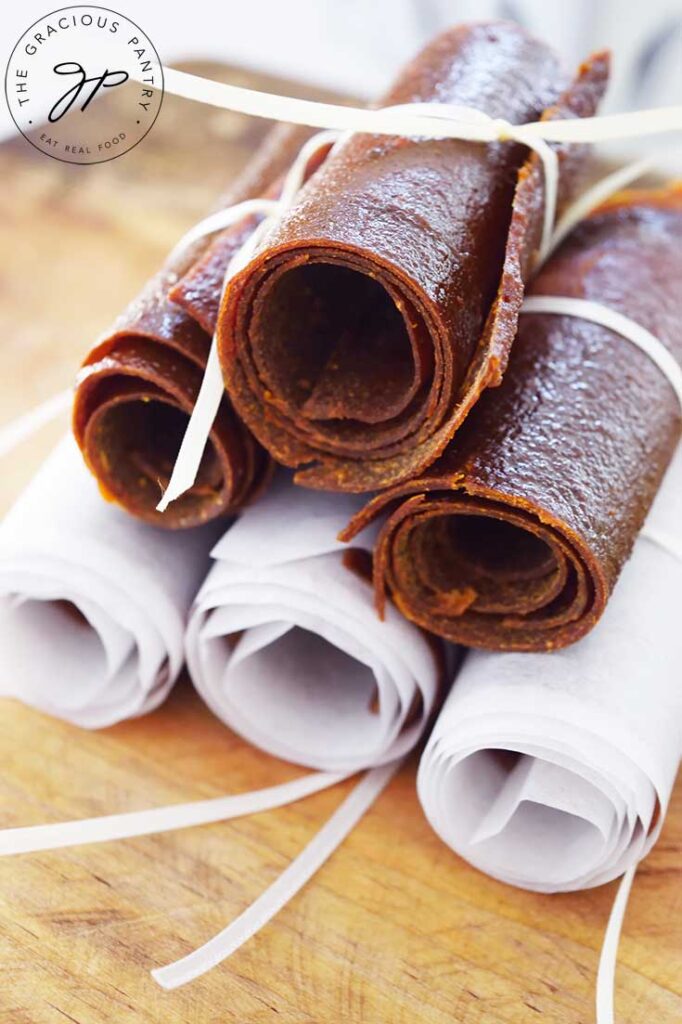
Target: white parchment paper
<point>93,603</point>
<point>285,646</point>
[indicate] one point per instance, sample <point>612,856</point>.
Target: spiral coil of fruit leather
<point>386,300</point>
<point>139,384</point>
<point>515,538</point>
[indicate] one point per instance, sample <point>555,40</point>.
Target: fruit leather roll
<point>515,538</point>
<point>284,645</point>
<point>139,383</point>
<point>93,604</point>
<point>553,771</point>
<point>357,339</point>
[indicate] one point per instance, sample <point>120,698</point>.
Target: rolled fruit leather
<point>355,342</point>
<point>139,383</point>
<point>515,538</point>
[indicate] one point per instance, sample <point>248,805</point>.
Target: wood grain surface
<point>394,928</point>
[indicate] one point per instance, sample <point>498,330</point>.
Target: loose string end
<point>197,433</point>
<point>289,883</point>
<point>606,973</point>
<point>131,824</point>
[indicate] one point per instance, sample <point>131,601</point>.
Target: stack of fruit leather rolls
<point>386,300</point>
<point>285,646</point>
<point>93,604</point>
<point>515,538</point>
<point>138,385</point>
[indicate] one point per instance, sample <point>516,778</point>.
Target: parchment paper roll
<point>286,648</point>
<point>361,334</point>
<point>93,604</point>
<point>139,383</point>
<point>515,538</point>
<point>553,771</point>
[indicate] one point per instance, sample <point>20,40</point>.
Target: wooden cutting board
<point>395,928</point>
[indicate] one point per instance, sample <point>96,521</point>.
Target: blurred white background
<point>355,46</point>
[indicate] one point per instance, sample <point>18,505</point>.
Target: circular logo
<point>84,84</point>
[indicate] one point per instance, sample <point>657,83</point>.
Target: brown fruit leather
<point>139,383</point>
<point>515,538</point>
<point>357,340</point>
